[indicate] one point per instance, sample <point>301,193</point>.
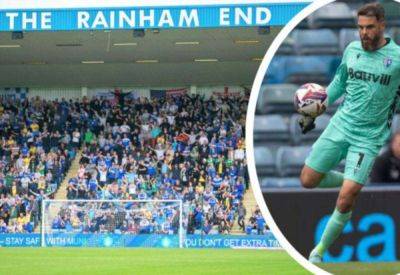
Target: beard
<point>370,44</point>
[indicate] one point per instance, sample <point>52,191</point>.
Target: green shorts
<point>332,147</point>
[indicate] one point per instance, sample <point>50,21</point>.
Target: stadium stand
<point>277,182</point>
<point>119,218</point>
<point>395,34</point>
<point>183,147</point>
<point>335,15</point>
<point>304,69</point>
<point>290,160</point>
<point>265,161</point>
<point>392,11</point>
<point>318,41</point>
<point>35,154</point>
<point>276,70</point>
<point>346,36</point>
<point>271,128</point>
<point>287,46</point>
<point>276,98</point>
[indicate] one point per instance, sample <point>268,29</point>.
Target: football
<point>311,100</point>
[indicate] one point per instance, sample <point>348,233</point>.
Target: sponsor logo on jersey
<point>383,79</point>
<point>387,62</point>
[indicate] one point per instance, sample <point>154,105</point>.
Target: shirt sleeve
<point>338,85</point>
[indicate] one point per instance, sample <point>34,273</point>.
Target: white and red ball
<point>311,100</point>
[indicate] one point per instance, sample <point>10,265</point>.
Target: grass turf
<point>362,268</point>
<point>145,261</point>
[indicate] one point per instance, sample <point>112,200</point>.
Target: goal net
<point>113,223</point>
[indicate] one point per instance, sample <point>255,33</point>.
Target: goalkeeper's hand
<point>306,123</point>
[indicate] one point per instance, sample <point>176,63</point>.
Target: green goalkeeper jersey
<point>370,82</point>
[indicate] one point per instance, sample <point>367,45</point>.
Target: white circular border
<point>249,133</point>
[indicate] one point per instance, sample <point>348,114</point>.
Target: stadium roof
<point>161,58</point>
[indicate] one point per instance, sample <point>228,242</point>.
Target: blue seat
<point>346,36</point>
<point>274,182</point>
<point>265,161</point>
<point>306,69</point>
<point>276,98</point>
<point>333,15</point>
<point>395,34</point>
<point>392,12</point>
<point>316,42</point>
<point>276,70</point>
<point>290,160</point>
<point>287,47</point>
<point>268,128</point>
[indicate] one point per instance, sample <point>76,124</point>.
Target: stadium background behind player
<point>306,56</point>
<point>368,76</point>
<point>386,168</point>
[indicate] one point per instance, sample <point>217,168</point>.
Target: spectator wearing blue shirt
<point>260,223</point>
<point>198,217</point>
<point>217,180</point>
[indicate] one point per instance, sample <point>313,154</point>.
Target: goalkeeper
<point>369,78</point>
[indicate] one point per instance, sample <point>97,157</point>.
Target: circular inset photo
<point>326,136</point>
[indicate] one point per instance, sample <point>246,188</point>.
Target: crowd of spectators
<point>117,217</point>
<point>182,147</point>
<point>34,157</point>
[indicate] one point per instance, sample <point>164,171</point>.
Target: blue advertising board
<point>145,240</point>
<point>370,236</point>
<point>231,241</point>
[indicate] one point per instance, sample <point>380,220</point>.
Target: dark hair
<point>374,10</point>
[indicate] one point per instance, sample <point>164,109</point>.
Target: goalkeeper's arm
<point>337,87</point>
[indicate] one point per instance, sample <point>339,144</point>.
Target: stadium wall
<point>79,92</point>
<point>52,94</point>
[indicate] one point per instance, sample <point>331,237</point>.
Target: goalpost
<point>111,223</point>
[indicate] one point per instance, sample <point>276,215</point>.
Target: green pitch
<point>362,268</point>
<point>145,261</point>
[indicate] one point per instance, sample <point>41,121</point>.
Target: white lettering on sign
<point>240,16</point>
<point>128,19</point>
<point>263,16</point>
<point>184,17</point>
<point>143,18</point>
<point>45,22</point>
<point>30,20</point>
<point>11,18</point>
<point>139,18</point>
<point>100,21</point>
<point>83,18</point>
<point>166,18</point>
<point>224,16</point>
